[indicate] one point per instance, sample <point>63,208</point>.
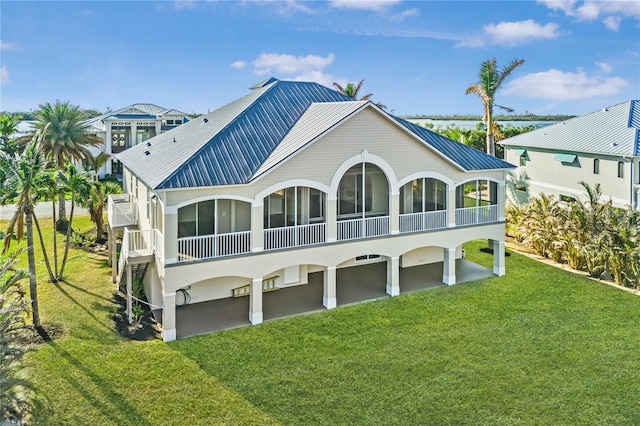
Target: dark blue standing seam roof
<point>634,121</point>
<point>234,154</point>
<point>466,157</point>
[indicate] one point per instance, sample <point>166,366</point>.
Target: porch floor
<point>353,285</point>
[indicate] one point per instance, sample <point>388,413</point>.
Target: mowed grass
<point>537,346</point>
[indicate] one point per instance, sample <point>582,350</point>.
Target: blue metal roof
<point>466,157</point>
<point>229,145</point>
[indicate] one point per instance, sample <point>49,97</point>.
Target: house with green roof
<point>602,147</point>
<point>129,126</point>
<point>262,208</point>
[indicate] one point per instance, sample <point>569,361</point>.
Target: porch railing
<point>122,211</point>
<point>362,228</point>
<point>139,243</point>
<point>477,215</point>
<point>295,236</point>
<point>423,221</point>
<point>210,246</point>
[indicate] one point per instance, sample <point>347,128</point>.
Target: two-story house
<point>602,147</point>
<point>285,188</point>
<point>129,126</point>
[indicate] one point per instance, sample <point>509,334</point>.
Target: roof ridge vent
<point>605,109</point>
<point>205,120</point>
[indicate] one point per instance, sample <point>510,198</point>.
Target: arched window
<point>596,166</point>
<point>294,206</point>
<point>363,192</point>
<point>423,195</point>
<point>620,169</point>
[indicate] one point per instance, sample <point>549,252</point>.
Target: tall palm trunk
<point>55,240</point>
<point>61,225</point>
<point>33,288</point>
<point>52,277</point>
<point>68,239</point>
<point>491,146</point>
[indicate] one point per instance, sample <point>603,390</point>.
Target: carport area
<point>354,285</point>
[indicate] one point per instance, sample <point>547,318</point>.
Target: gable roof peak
<point>263,83</point>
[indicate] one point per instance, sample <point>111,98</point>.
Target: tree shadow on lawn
<point>116,408</point>
<point>65,293</point>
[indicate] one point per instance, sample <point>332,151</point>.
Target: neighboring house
<point>291,182</point>
<point>130,126</point>
<point>601,147</point>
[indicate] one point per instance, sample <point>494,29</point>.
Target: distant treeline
<point>524,117</point>
<point>31,115</point>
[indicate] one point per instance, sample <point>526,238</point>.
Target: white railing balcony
<point>363,228</point>
<point>211,246</point>
<point>423,221</point>
<point>477,215</point>
<point>140,243</point>
<point>295,236</point>
<point>122,211</point>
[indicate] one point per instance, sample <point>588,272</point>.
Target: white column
<point>257,228</point>
<point>395,214</point>
<point>107,147</point>
<point>329,299</point>
<point>255,301</point>
<point>451,206</point>
<point>109,245</point>
<point>502,196</point>
<point>393,276</point>
<point>449,266</point>
<point>134,134</point>
<point>129,291</point>
<point>498,258</point>
<point>114,261</point>
<point>332,219</point>
<point>169,317</point>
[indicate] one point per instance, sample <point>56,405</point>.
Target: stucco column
<point>158,126</point>
<point>451,206</point>
<point>449,266</point>
<point>329,299</point>
<point>170,236</point>
<point>255,301</point>
<point>134,134</point>
<point>332,220</point>
<point>395,214</point>
<point>393,276</point>
<point>169,317</point>
<point>107,147</point>
<point>257,228</point>
<point>498,258</point>
<point>502,195</point>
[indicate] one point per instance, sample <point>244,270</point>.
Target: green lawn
<point>537,346</point>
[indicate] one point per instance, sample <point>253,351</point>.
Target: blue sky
<point>415,57</point>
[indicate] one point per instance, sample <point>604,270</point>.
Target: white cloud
<point>238,65</point>
<point>290,64</point>
<point>511,33</point>
<point>557,85</point>
<point>184,4</point>
<point>405,14</point>
<point>611,11</point>
<point>8,46</point>
<point>317,76</point>
<point>612,22</point>
<point>4,75</point>
<point>606,68</point>
<point>565,5</point>
<point>377,5</point>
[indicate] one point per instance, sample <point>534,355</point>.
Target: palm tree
<point>490,81</point>
<point>95,202</point>
<point>79,184</point>
<point>8,127</point>
<point>352,90</point>
<point>14,308</point>
<point>94,163</point>
<point>21,172</point>
<point>66,141</point>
